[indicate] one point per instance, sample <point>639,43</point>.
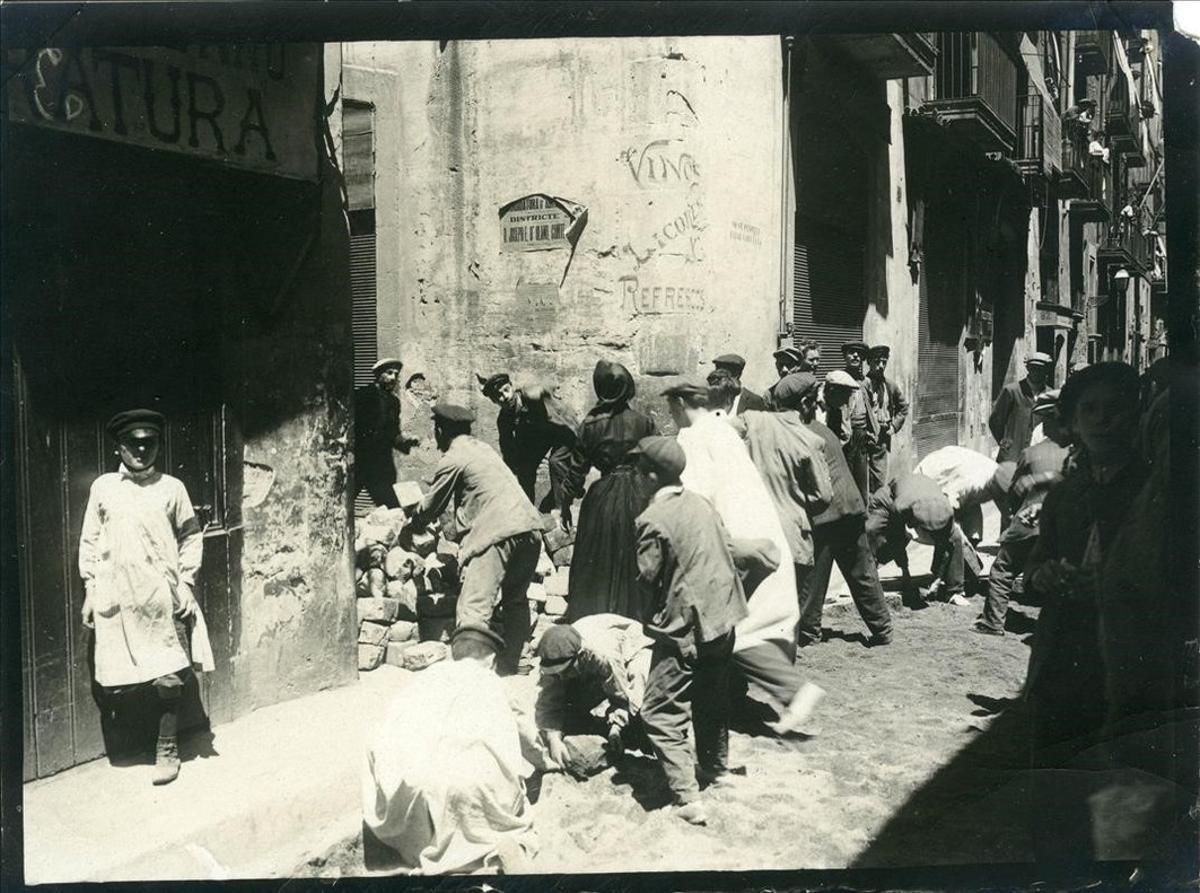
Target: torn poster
<point>541,222</point>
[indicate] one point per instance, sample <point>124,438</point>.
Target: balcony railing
<point>1093,52</point>
<point>1121,121</point>
<point>1040,149</point>
<point>1125,244</point>
<point>975,84</point>
<point>1085,179</point>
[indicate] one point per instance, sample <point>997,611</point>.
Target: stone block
<point>423,654</point>
<point>556,606</point>
<point>370,656</point>
<point>557,584</point>
<point>556,538</point>
<point>399,563</point>
<point>397,650</point>
<point>562,557</point>
<point>408,494</point>
<point>378,610</point>
<point>402,631</point>
<point>536,592</point>
<point>435,629</point>
<point>447,551</point>
<point>377,582</point>
<point>372,633</point>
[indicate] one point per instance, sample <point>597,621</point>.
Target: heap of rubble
<point>408,582</point>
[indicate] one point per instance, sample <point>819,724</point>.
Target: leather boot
<point>166,761</point>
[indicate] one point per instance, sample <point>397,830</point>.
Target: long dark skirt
<point>604,564</point>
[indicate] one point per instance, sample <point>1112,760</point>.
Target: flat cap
<point>1038,358</point>
<point>387,363</point>
<point>731,361</point>
<point>452,412</point>
<point>135,418</point>
<point>558,647</point>
<point>879,350</point>
<point>793,388</point>
<point>687,390</point>
<point>480,632</point>
<point>492,383</point>
<point>789,353</point>
<point>1046,401</point>
<point>840,377</point>
<point>664,453</point>
<point>855,345</point>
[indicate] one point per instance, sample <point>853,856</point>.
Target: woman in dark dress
<point>604,564</point>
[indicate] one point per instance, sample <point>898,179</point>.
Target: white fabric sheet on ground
<point>444,781</point>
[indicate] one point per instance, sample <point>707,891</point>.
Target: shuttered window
<point>828,300</point>
<point>943,290</point>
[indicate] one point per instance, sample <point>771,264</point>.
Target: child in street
<point>696,600</point>
<point>139,551</point>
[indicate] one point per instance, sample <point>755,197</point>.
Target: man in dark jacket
<point>377,433</point>
<point>1039,468</point>
<point>838,532</point>
<point>502,530</point>
<point>1011,420</point>
<point>746,398</point>
<point>918,503</point>
<point>686,564</point>
<point>533,425</point>
<point>890,408</point>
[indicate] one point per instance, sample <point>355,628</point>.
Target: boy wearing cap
<point>502,530</point>
<point>533,425</point>
<point>446,793</point>
<point>1040,467</point>
<point>1011,419</point>
<point>917,502</point>
<point>597,659</point>
<point>745,399</point>
<point>890,409</point>
<point>139,551</point>
<point>377,433</point>
<point>685,563</point>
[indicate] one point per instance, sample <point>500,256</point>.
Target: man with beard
<point>533,425</point>
<point>377,433</point>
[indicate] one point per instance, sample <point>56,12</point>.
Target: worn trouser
<point>843,541</point>
<point>494,588</point>
<point>669,708</point>
<point>559,469</point>
<point>877,467</point>
<point>1009,564</point>
<point>377,475</point>
<point>125,709</point>
<point>860,469</point>
<point>952,560</point>
<point>768,670</point>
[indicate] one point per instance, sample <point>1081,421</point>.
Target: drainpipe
<point>784,328</point>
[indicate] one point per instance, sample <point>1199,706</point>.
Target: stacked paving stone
<point>408,583</point>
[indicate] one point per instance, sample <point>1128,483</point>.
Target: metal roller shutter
<point>363,325</point>
<point>828,300</point>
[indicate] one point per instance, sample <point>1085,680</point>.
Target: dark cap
<point>387,363</point>
<point>479,632</point>
<point>856,345</point>
<point>879,350</point>
<point>493,383</point>
<point>687,390</point>
<point>789,353</point>
<point>135,418</point>
<point>558,647</point>
<point>732,362</point>
<point>793,388</point>
<point>452,412</point>
<point>1046,401</point>
<point>664,453</point>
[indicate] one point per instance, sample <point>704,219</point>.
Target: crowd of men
<point>701,565</point>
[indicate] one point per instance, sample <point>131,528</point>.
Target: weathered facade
<point>175,238</point>
<point>542,204</point>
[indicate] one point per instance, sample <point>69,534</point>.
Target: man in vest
<point>890,408</point>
